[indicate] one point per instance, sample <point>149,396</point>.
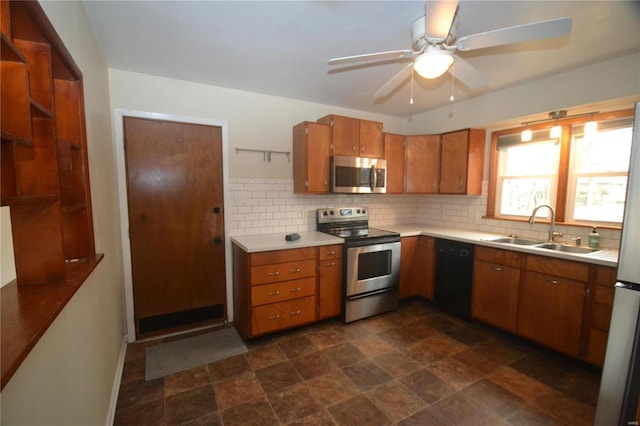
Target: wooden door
<point>345,134</point>
<point>550,311</point>
<point>371,142</point>
<point>453,163</point>
<point>176,224</point>
<point>495,294</point>
<point>426,257</point>
<point>311,158</point>
<point>423,164</point>
<point>394,154</point>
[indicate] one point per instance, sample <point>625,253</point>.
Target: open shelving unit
<point>45,176</point>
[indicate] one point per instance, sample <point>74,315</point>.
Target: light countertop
<point>605,257</point>
<point>268,242</point>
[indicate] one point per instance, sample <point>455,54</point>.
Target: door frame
<point>118,127</point>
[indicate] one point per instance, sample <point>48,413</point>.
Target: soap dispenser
<point>594,238</point>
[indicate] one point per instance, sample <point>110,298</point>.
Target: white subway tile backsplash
<point>261,206</point>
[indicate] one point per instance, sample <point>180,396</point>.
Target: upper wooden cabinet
<point>422,164</point>
<point>354,137</point>
<point>311,158</point>
<point>45,177</point>
<point>394,155</point>
<point>462,162</point>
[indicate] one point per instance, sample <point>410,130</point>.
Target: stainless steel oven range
<point>372,267</point>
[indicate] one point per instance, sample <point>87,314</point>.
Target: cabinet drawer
<point>278,292</point>
<point>502,257</point>
<point>330,252</point>
<point>276,316</point>
<point>282,272</point>
<point>557,267</point>
<point>604,295</point>
<point>280,256</point>
<point>605,276</point>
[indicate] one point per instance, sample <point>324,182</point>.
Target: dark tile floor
<point>413,366</point>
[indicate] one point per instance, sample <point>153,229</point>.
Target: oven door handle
<point>373,177</point>
<point>372,293</point>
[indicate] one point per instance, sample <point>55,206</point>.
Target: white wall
<point>617,78</point>
<point>255,121</point>
<point>68,377</point>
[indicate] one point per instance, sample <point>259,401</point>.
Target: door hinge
<point>306,130</point>
<point>332,122</point>
<point>581,351</point>
<point>586,294</point>
<point>331,147</point>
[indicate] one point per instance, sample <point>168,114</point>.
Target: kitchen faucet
<point>552,222</point>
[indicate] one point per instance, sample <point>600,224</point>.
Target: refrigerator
<point>618,402</point>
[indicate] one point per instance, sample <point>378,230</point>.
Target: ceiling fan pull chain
<point>411,100</point>
<point>453,79</point>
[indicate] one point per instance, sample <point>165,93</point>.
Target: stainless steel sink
<point>515,240</point>
<point>567,248</point>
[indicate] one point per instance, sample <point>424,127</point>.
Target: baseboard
<point>111,414</point>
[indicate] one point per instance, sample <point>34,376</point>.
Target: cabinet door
<point>462,162</point>
<point>371,142</point>
<point>394,155</point>
<point>330,288</point>
<point>311,157</point>
<point>495,294</point>
<point>345,134</point>
<point>550,311</point>
<point>422,165</point>
<point>425,259</point>
<point>407,255</point>
<point>453,164</point>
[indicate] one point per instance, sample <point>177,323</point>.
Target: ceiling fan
<point>434,43</point>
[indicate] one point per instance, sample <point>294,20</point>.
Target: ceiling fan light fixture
<point>433,63</point>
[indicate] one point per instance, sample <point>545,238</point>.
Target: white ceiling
<point>281,47</point>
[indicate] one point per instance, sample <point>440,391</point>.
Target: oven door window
<point>374,264</point>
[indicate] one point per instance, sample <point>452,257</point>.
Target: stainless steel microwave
<point>358,175</point>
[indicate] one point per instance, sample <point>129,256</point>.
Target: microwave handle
<point>373,177</point>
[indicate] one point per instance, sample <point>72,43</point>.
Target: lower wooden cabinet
<point>496,285</point>
<point>551,307</point>
<point>602,280</point>
<point>330,281</point>
<point>274,290</point>
<point>416,267</point>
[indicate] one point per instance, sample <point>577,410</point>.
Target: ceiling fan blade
<point>439,16</point>
<point>467,74</point>
<point>516,34</point>
<point>392,54</point>
<point>395,81</point>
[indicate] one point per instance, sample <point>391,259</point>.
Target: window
<point>527,176</point>
<point>584,178</point>
<point>598,173</point>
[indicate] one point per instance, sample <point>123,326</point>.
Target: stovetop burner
<point>350,223</point>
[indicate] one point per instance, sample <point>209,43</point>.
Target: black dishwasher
<point>454,273</point>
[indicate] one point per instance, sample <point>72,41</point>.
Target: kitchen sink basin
<point>515,240</point>
<point>567,248</point>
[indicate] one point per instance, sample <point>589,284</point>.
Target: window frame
<point>560,202</point>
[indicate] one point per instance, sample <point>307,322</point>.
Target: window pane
<point>530,159</point>
<point>607,152</point>
<point>521,195</point>
<point>600,198</point>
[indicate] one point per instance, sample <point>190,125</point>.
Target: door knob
<point>217,240</point>
<point>216,210</point>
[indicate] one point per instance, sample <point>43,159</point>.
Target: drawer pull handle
<point>296,312</point>
<point>296,289</point>
<point>498,269</point>
<point>275,317</point>
<point>273,274</point>
<point>274,293</point>
<point>331,264</point>
<point>331,252</point>
<point>554,282</point>
<point>294,270</point>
